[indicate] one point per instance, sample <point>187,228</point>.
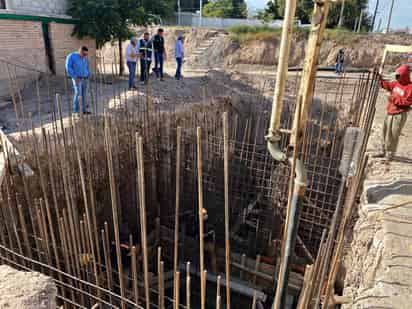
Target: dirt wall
<point>361,50</point>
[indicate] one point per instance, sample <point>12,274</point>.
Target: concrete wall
<point>58,7</point>
<point>63,43</point>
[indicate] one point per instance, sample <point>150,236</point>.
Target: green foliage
<point>351,14</point>
<point>218,8</point>
<point>271,12</point>
<point>304,10</point>
<point>275,9</point>
<point>163,8</point>
<point>239,9</point>
<point>106,20</point>
<point>244,34</point>
<point>191,5</point>
<point>225,9</point>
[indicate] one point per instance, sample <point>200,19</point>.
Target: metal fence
<point>194,20</point>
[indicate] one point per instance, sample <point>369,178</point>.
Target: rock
<point>26,290</point>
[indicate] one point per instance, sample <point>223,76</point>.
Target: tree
<point>304,10</point>
<point>218,8</point>
<point>351,14</point>
<point>191,5</point>
<point>271,11</point>
<point>239,9</point>
<point>162,8</point>
<point>113,20</point>
<point>225,9</point>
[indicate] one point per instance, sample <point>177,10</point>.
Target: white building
<point>36,7</point>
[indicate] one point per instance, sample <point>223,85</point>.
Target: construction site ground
<point>379,259</point>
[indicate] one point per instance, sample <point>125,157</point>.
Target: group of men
<point>77,67</point>
<point>147,49</point>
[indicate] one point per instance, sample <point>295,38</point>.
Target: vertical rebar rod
<point>113,192</point>
<point>142,207</point>
<point>226,149</point>
<point>134,274</point>
<point>177,203</point>
<point>201,218</point>
<point>188,285</point>
<point>177,290</point>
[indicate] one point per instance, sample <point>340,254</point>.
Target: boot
<point>380,153</point>
<point>389,156</point>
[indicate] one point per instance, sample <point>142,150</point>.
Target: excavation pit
<point>84,204</point>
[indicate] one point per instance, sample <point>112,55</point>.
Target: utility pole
<point>374,15</point>
<point>342,9</point>
<point>360,21</point>
<point>178,12</point>
<point>390,17</point>
<point>200,12</point>
<point>379,25</point>
<point>356,25</point>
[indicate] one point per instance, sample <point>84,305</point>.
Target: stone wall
<point>26,290</point>
<point>63,43</point>
<point>58,7</point>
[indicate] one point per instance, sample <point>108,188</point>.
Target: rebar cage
<point>67,219</point>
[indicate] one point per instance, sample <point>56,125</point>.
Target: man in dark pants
<point>179,52</point>
<point>340,59</point>
<point>159,53</point>
<point>145,48</point>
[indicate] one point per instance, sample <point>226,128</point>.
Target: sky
<point>402,11</point>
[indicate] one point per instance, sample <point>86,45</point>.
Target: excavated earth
<point>26,290</point>
<point>378,261</point>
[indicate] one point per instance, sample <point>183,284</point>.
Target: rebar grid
<point>53,203</point>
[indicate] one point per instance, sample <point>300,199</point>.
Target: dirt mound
<point>26,290</point>
<point>218,49</point>
<point>361,50</point>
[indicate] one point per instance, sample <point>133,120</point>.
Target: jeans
<point>80,90</point>
<point>179,68</point>
<point>144,69</point>
<point>132,72</point>
<point>158,64</point>
<point>339,67</point>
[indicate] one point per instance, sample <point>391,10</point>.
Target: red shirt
<point>400,99</point>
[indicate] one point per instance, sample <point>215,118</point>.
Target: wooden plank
<point>398,48</point>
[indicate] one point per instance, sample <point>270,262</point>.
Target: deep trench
<point>258,189</point>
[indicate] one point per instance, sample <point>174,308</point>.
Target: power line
<point>390,17</point>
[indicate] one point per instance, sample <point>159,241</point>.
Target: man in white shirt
<point>131,59</point>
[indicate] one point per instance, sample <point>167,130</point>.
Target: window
<point>2,4</point>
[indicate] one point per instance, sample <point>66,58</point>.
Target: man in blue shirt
<point>77,68</point>
<point>179,53</point>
